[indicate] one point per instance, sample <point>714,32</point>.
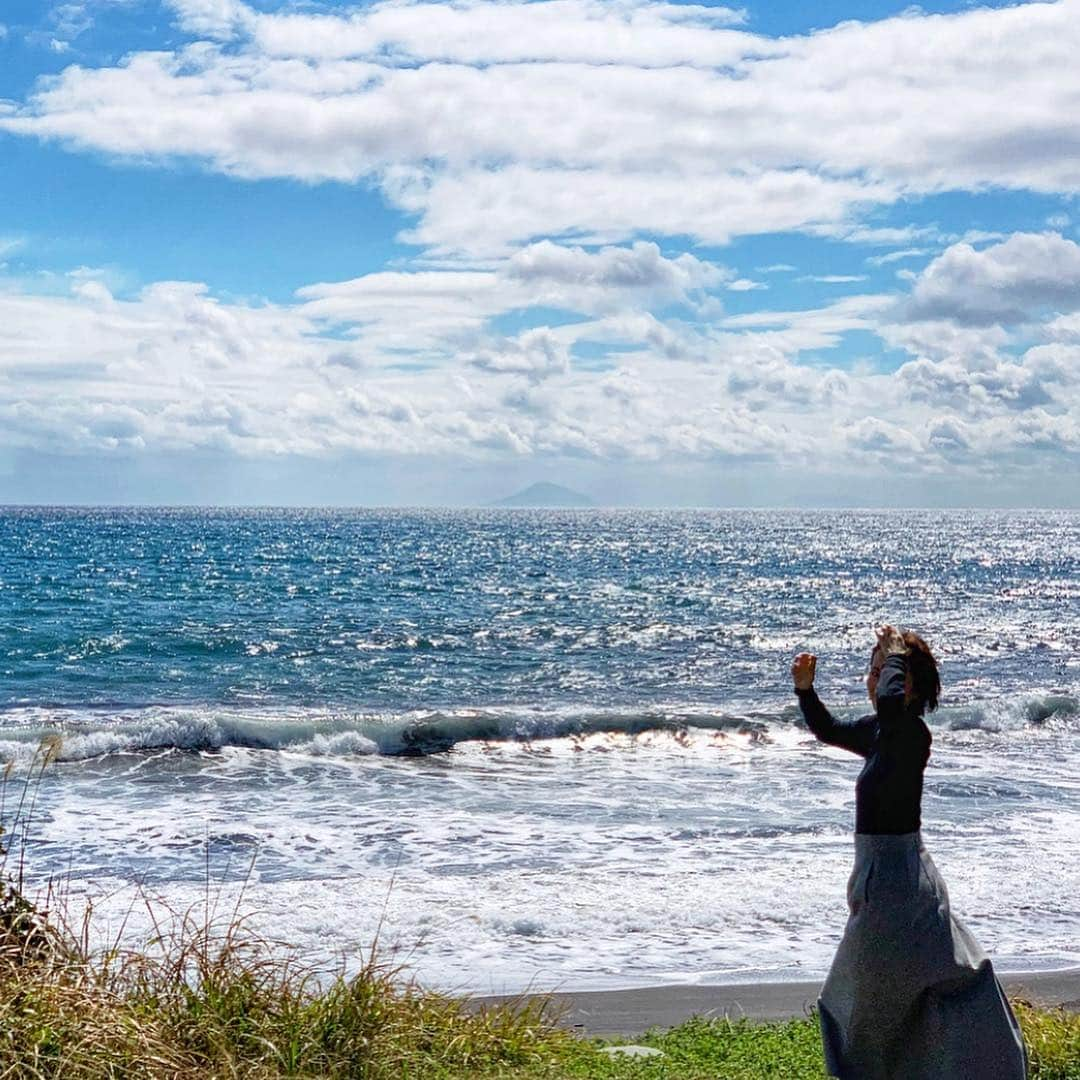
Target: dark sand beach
<point>631,1012</point>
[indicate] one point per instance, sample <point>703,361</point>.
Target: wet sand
<point>632,1012</point>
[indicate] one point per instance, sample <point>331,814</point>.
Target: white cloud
<point>537,354</point>
<point>1064,328</point>
<point>499,123</point>
<point>941,340</point>
<point>881,236</point>
<point>70,20</point>
<point>993,445</point>
<point>446,311</point>
<point>883,438</point>
<point>990,403</point>
<point>577,31</point>
<point>1016,280</point>
<point>401,364</point>
<point>1041,431</point>
<point>980,391</point>
<point>420,370</point>
<point>576,278</point>
<point>217,19</point>
<point>896,256</point>
<point>949,435</point>
<point>976,236</point>
<point>833,279</point>
<point>489,212</point>
<point>434,316</point>
<point>848,313</point>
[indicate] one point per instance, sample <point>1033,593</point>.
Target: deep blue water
<point>398,609</point>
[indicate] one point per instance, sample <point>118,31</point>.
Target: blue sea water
<point>536,748</point>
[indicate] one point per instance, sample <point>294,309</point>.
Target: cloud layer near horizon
<point>411,363</point>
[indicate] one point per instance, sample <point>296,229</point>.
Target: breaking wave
<point>79,735</point>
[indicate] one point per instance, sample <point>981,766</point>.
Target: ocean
<point>532,749</point>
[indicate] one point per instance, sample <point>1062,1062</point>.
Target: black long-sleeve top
<point>896,745</point>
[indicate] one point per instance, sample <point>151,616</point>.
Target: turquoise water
<point>548,745</point>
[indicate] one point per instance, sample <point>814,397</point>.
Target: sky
<point>428,253</point>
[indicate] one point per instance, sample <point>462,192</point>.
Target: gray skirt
<point>910,994</point>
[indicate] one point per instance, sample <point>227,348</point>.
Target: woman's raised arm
<point>854,735</point>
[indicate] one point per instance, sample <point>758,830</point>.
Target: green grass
<point>708,1050</point>
<point>739,1050</point>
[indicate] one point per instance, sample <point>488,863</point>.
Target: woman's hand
<point>802,670</point>
<point>889,642</point>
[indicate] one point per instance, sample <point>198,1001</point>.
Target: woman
<point>910,994</point>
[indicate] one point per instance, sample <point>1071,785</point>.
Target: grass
<point>204,1000</point>
<point>739,1050</point>
<point>201,1004</point>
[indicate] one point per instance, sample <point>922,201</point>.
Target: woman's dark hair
<point>922,666</point>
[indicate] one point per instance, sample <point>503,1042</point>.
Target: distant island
<point>546,495</point>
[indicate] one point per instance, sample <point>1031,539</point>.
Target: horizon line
<point>771,507</point>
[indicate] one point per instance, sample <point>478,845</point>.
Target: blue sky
<point>428,253</point>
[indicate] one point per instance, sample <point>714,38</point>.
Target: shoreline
<point>621,1013</point>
